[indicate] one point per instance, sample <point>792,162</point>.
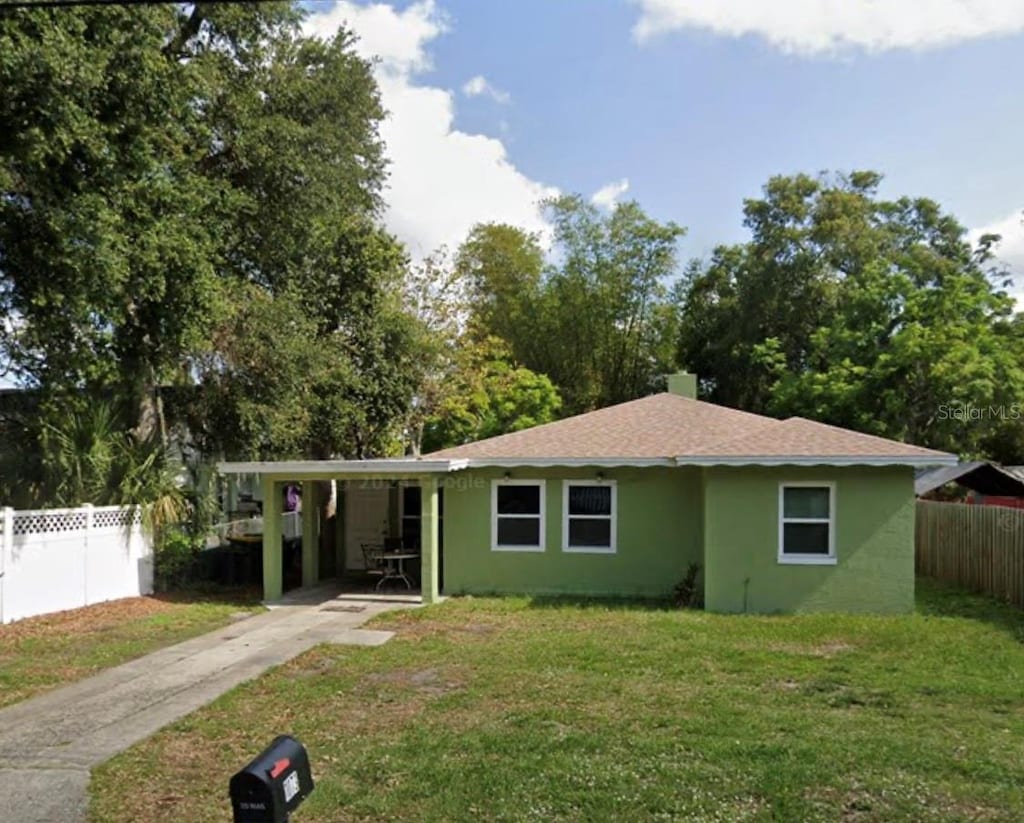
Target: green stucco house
<point>781,515</point>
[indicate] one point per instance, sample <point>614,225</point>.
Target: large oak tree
<point>166,172</point>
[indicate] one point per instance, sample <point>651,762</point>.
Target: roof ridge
<point>540,426</point>
<point>614,408</point>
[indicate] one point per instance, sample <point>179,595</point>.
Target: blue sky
<point>694,104</point>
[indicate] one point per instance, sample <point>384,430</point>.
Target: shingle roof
<point>659,426</point>
<point>669,427</point>
<point>797,437</point>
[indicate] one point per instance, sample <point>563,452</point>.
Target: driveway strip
<point>49,743</point>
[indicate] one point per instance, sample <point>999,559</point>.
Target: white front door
<point>366,520</point>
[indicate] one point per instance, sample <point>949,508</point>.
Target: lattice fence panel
<point>107,518</point>
<point>49,522</point>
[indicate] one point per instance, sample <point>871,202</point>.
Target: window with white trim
<point>588,516</point>
<point>807,523</point>
<point>517,515</point>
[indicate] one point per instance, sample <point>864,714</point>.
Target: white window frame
<point>808,559</point>
<point>611,549</point>
<point>495,485</point>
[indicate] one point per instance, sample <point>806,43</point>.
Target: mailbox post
<point>273,785</point>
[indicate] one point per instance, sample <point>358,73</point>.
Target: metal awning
<point>326,468</point>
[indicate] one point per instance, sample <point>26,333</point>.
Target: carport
<point>427,474</point>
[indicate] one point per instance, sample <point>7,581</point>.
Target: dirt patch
<point>417,630</point>
<point>434,682</point>
<point>315,668</point>
<point>831,649</point>
<point>859,803</point>
<point>98,618</point>
<point>477,628</point>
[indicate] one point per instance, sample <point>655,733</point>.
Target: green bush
<point>175,559</point>
<point>687,594</point>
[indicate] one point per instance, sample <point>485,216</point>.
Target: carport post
<point>310,534</point>
<point>429,540</point>
<point>272,553</point>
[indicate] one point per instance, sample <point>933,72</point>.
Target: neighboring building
<point>987,484</point>
<point>782,516</point>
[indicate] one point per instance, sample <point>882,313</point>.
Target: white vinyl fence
<point>57,559</point>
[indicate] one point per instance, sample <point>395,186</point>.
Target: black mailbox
<point>273,785</point>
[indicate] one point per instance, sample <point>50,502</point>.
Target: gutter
<point>824,460</point>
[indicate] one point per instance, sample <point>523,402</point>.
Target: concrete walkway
<point>49,743</point>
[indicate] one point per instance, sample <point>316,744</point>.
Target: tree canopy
<point>173,181</point>
<point>863,312</point>
<point>594,314</point>
<point>191,202</point>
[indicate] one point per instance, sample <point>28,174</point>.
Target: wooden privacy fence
<point>980,548</point>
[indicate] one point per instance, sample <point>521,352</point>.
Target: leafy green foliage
<point>596,319</point>
<point>687,594</point>
<point>253,397</point>
<point>610,327</point>
<point>502,269</point>
<point>471,386</point>
<point>88,457</point>
<point>489,395</point>
<point>107,236</point>
<point>193,193</point>
<point>866,313</point>
<point>174,560</point>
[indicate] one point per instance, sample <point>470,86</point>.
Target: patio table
<point>394,566</point>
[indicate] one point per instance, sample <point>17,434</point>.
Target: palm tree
<point>90,458</point>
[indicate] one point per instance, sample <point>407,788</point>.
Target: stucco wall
<point>658,534</point>
<point>874,542</point>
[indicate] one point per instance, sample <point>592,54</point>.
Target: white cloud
<point>829,26</point>
<point>442,180</point>
<point>478,85</point>
<point>397,38</point>
<point>1010,251</point>
<point>607,196</point>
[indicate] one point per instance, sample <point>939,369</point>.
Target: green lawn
<point>41,653</point>
<point>512,709</point>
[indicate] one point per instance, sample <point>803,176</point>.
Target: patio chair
<point>393,544</point>
<point>372,560</point>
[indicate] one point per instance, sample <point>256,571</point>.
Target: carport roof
<point>321,468</point>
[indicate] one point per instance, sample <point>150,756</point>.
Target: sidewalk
<point>49,743</point>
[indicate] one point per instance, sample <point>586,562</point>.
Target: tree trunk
<point>150,418</point>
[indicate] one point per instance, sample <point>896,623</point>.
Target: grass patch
<point>41,653</point>
<point>506,709</point>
